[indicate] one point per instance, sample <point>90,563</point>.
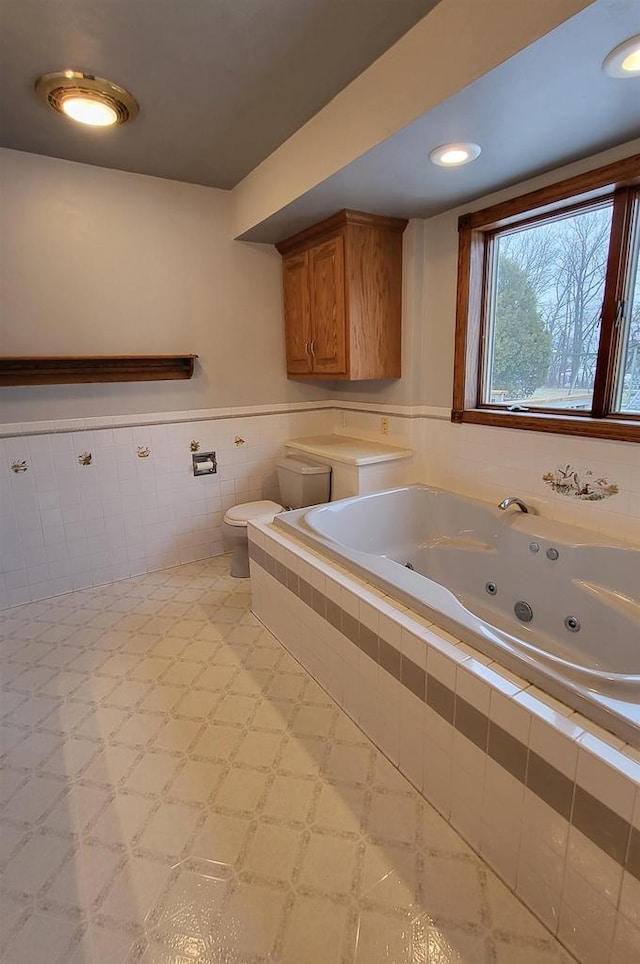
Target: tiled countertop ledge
<point>351,451</point>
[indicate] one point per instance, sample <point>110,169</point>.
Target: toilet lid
<point>239,515</point>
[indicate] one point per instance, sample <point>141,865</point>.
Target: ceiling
<point>221,83</point>
<point>548,105</point>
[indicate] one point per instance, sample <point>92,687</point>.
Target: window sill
<point>617,429</point>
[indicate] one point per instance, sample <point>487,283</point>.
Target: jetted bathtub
<point>558,604</point>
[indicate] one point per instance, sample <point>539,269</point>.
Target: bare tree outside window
<point>545,313</point>
<point>548,308</point>
<point>628,400</point>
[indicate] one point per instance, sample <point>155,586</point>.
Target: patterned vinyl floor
<point>176,789</point>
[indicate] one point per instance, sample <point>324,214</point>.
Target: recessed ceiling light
<point>87,99</point>
<point>453,155</point>
<point>624,60</point>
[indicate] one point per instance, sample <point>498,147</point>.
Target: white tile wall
<point>66,526</point>
<point>491,463</point>
<point>502,819</point>
<point>542,858</point>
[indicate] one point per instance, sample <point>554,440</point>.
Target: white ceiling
<point>221,83</point>
<point>546,106</point>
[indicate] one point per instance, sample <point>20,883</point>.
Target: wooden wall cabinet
<point>342,283</point>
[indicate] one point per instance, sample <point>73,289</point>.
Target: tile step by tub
<point>495,756</point>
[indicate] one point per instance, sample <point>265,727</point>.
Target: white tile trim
<point>91,423</point>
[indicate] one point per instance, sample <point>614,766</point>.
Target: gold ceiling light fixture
<point>86,99</point>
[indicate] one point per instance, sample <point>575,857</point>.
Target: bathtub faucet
<point>513,501</point>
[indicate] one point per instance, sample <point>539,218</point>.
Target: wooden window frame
<point>619,181</point>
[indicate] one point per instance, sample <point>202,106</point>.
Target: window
<point>548,325</point>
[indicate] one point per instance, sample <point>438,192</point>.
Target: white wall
<point>96,261</point>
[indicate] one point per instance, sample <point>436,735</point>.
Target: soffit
<point>549,105</point>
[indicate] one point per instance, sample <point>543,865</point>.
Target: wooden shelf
<point>69,369</point>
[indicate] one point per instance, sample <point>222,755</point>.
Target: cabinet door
<point>297,319</point>
<point>326,284</point>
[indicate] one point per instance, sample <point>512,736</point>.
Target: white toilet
<point>301,484</point>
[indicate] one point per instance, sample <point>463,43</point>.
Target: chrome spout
<point>514,501</point>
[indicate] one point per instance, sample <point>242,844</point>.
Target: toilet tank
<point>303,483</point>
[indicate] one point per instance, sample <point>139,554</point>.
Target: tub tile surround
<point>548,799</point>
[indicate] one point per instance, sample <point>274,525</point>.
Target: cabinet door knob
<point>312,347</point>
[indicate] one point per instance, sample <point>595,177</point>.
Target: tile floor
<point>177,790</point>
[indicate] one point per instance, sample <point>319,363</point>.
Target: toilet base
<point>235,539</point>
<point>234,529</point>
<point>240,561</point>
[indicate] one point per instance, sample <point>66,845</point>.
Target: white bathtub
<point>473,565</point>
